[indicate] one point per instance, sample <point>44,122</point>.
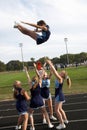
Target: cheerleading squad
<point>39,86</point>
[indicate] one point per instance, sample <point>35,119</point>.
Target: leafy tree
<point>2,66</point>
<point>14,65</point>
<point>32,59</point>
<point>83,57</point>
<point>17,65</point>
<point>56,60</point>
<point>63,59</point>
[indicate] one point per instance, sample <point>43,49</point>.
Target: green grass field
<point>78,77</point>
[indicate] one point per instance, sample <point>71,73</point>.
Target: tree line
<point>14,65</point>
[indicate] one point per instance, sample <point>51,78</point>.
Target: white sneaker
<point>18,127</point>
<point>32,128</point>
<point>61,126</point>
<point>66,121</point>
<point>44,121</point>
<point>50,125</point>
<point>53,118</point>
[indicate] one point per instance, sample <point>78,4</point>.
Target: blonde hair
<point>68,81</point>
<point>64,75</point>
<point>36,80</point>
<point>17,83</point>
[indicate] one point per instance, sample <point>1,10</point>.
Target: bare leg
<point>25,121</point>
<point>49,101</point>
<point>63,114</point>
<point>20,119</point>
<point>58,108</point>
<point>31,117</point>
<point>46,116</point>
<point>58,112</point>
<point>26,31</point>
<point>43,112</point>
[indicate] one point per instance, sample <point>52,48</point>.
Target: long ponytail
<point>68,80</point>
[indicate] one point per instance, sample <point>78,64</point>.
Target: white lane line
<point>7,110</point>
<point>68,97</point>
<point>76,103</point>
<point>37,114</point>
<point>76,110</point>
<point>39,124</point>
<point>10,104</point>
<point>65,104</point>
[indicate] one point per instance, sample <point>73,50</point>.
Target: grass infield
<point>78,77</point>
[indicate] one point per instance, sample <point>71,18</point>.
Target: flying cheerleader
<point>40,27</point>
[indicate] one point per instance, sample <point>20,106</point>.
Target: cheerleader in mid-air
<point>41,27</point>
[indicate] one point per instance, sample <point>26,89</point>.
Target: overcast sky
<point>66,18</point>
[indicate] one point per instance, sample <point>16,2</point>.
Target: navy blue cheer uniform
<point>59,96</point>
<point>21,102</point>
<point>36,98</point>
<point>44,37</point>
<point>45,92</point>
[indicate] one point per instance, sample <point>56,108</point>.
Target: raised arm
<point>31,24</point>
<point>50,74</point>
<point>27,97</point>
<point>54,70</point>
<point>44,65</point>
<point>28,76</point>
<point>35,25</point>
<point>39,77</point>
<point>36,70</point>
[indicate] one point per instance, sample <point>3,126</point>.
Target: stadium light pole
<point>66,40</point>
<point>21,46</point>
